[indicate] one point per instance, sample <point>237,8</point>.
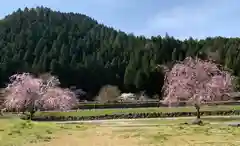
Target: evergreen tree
<point>89,55</point>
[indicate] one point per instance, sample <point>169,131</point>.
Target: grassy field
<point>97,112</point>
<point>153,132</point>
<point>16,132</point>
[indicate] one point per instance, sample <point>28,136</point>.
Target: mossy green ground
<point>150,132</point>
<point>16,132</point>
<point>97,112</point>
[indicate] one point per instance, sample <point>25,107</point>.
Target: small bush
<point>108,93</point>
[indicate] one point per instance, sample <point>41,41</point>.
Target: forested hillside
<point>89,55</point>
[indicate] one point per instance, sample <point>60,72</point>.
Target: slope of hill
<point>87,54</point>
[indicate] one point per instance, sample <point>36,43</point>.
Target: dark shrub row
<point>133,116</point>
<point>141,105</point>
<point>121,105</point>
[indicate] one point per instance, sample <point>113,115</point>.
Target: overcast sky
<point>179,18</point>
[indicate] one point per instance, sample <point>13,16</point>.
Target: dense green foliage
<point>89,55</point>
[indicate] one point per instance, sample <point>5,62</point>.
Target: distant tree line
<point>83,53</point>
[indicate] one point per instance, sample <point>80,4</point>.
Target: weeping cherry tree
<point>26,93</point>
<point>197,81</point>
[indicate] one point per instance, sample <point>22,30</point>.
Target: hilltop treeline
<point>89,55</point>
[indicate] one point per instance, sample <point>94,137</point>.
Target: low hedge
<point>134,116</point>
<point>118,105</point>
<point>142,105</point>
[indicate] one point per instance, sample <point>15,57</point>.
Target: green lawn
<point>16,132</point>
<point>97,112</point>
<point>153,132</point>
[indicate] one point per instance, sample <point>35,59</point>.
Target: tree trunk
<point>32,110</point>
<point>31,114</point>
<point>198,110</point>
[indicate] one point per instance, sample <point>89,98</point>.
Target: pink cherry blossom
<point>196,80</point>
<point>26,91</point>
